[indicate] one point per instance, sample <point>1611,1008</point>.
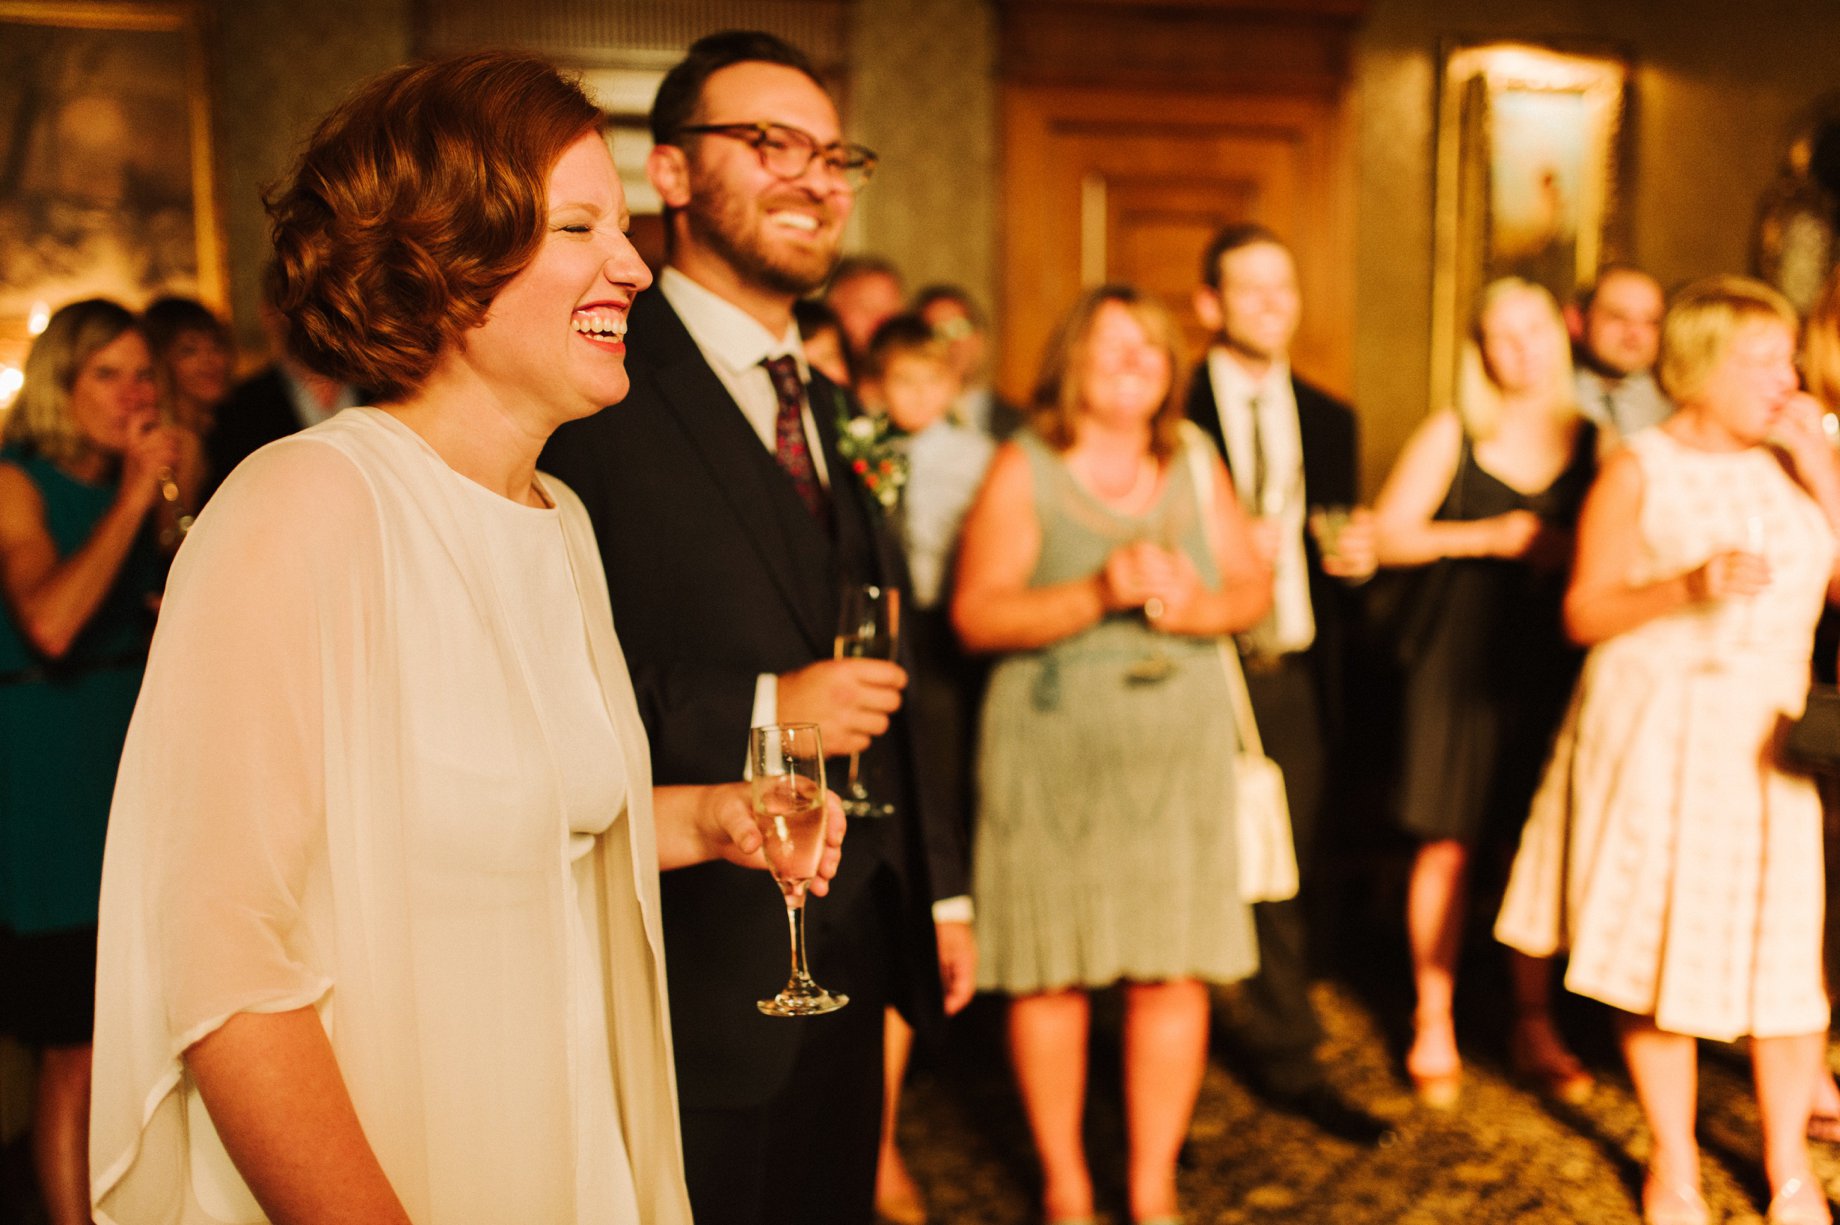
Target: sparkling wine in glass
<point>786,782</point>
<point>868,627</point>
<point>1326,523</point>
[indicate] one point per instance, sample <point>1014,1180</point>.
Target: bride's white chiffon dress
<point>387,763</point>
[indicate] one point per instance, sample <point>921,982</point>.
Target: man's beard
<point>721,222</point>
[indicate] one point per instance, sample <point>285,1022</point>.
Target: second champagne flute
<point>786,786</point>
<point>868,627</point>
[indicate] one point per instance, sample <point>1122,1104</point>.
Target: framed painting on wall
<point>1528,169</point>
<point>106,180</point>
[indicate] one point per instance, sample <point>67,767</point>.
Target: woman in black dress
<point>1483,499</point>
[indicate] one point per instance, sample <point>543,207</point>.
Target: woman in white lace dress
<point>1666,848</point>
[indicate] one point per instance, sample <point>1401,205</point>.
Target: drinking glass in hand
<point>868,627</point>
<point>786,762</point>
<point>1326,523</point>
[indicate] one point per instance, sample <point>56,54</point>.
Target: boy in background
<point>908,376</point>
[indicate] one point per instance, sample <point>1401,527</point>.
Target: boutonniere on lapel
<point>875,451</point>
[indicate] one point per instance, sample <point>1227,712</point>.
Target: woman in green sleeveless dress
<point>1104,575</point>
<point>80,470</point>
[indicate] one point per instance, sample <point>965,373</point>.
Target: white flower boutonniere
<point>870,444</point>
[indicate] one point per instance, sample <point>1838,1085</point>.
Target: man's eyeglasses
<point>787,152</point>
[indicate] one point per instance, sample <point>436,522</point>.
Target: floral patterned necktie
<point>789,445</point>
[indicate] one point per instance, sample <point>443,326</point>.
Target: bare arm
<point>1406,534</point>
<point>52,599</point>
<point>994,608</point>
<point>1601,603</point>
<point>281,1107</point>
<point>699,824</point>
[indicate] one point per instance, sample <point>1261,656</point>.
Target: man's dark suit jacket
<point>1330,441</point>
<point>257,411</point>
<point>718,574</point>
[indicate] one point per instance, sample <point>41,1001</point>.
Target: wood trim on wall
<point>1276,73</point>
<point>1047,255</point>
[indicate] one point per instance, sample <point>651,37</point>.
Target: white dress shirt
<point>1625,406</point>
<point>734,343</point>
<point>946,465</point>
<point>306,405</point>
<point>1290,626</point>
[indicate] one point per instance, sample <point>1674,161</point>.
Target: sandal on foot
<point>1677,1203</point>
<point>1800,1201</point>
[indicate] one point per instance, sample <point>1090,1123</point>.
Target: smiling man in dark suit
<point>727,521</point>
<point>1289,446</point>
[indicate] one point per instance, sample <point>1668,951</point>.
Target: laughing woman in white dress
<point>1666,848</point>
<point>381,887</point>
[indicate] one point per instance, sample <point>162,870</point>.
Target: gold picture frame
<point>107,179</point>
<point>1528,179</point>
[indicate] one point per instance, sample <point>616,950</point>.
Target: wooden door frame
<point>1038,284</point>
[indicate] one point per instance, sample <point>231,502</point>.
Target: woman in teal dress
<point>1104,573</point>
<point>80,471</point>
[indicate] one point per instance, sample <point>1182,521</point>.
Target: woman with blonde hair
<point>1103,560</point>
<point>1484,497</point>
<point>1667,848</point>
<point>79,480</point>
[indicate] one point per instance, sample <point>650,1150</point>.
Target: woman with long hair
<point>1483,500</point>
<point>192,363</point>
<point>80,465</point>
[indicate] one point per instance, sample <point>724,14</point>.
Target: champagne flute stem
<point>857,790</point>
<point>800,977</point>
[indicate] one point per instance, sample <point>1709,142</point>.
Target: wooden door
<point>1110,183</point>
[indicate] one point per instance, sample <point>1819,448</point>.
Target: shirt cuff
<point>953,909</point>
<point>766,710</point>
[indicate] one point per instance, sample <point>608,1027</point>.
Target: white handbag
<point>1262,814</point>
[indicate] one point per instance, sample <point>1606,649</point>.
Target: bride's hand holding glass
<point>720,821</point>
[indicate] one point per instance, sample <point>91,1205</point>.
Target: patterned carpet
<point>1505,1155</point>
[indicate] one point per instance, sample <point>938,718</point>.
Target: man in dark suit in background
<point>280,399</point>
<point>1289,446</point>
<point>727,520</point>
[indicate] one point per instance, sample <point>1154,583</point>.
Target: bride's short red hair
<point>415,201</point>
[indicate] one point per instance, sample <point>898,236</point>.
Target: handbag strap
<point>1198,449</point>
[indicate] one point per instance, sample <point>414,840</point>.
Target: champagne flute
<point>868,627</point>
<point>786,784</point>
<point>1326,523</point>
<point>1156,666</point>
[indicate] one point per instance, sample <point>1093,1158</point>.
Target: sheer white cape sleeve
<point>335,792</point>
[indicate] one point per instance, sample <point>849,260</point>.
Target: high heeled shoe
<point>1547,1066</point>
<point>1676,1203</point>
<point>1811,1209</point>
